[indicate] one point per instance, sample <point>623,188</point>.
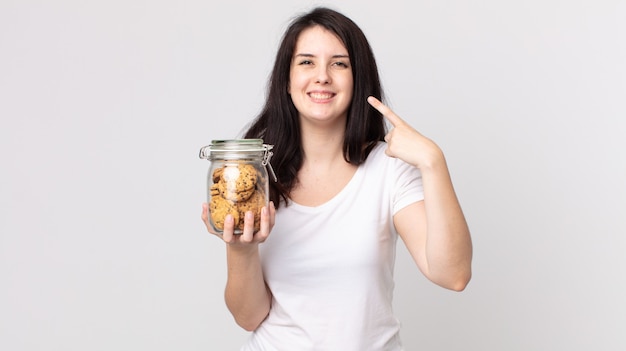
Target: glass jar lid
<point>239,149</point>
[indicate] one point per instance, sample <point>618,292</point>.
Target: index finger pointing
<point>385,111</point>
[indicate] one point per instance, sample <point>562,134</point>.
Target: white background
<point>105,104</point>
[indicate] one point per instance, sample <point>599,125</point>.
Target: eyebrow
<point>311,55</point>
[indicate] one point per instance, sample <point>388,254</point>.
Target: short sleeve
<point>408,187</point>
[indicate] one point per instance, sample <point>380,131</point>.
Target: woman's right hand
<point>247,296</point>
<point>268,216</point>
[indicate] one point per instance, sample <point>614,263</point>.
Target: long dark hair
<point>278,123</point>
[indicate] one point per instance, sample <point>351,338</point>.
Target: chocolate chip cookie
<point>236,189</point>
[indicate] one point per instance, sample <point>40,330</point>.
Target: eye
<point>341,64</point>
<point>305,62</point>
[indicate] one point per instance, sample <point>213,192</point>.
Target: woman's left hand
<point>435,230</point>
<point>406,143</point>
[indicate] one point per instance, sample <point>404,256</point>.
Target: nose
<point>322,76</point>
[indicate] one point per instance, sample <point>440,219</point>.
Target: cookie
<point>239,178</point>
<point>254,203</point>
<point>219,208</point>
<point>217,174</point>
<point>236,196</point>
<point>234,190</point>
<point>214,190</point>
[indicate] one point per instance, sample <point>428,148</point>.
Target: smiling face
<point>320,78</point>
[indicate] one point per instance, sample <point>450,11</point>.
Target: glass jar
<point>237,181</point>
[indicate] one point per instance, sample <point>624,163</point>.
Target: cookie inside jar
<point>237,187</point>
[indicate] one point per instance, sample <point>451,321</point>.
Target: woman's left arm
<point>434,230</point>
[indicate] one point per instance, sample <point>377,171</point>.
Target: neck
<point>322,146</point>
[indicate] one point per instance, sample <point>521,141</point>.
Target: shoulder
<point>393,170</point>
<point>378,153</point>
<point>378,159</point>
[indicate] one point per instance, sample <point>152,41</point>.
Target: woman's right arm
<point>247,296</point>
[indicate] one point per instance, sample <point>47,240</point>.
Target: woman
<point>323,278</point>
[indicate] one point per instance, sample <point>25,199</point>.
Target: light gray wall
<point>104,106</point>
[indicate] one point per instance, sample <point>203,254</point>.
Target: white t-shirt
<point>330,267</point>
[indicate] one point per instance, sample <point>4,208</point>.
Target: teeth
<point>320,96</point>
